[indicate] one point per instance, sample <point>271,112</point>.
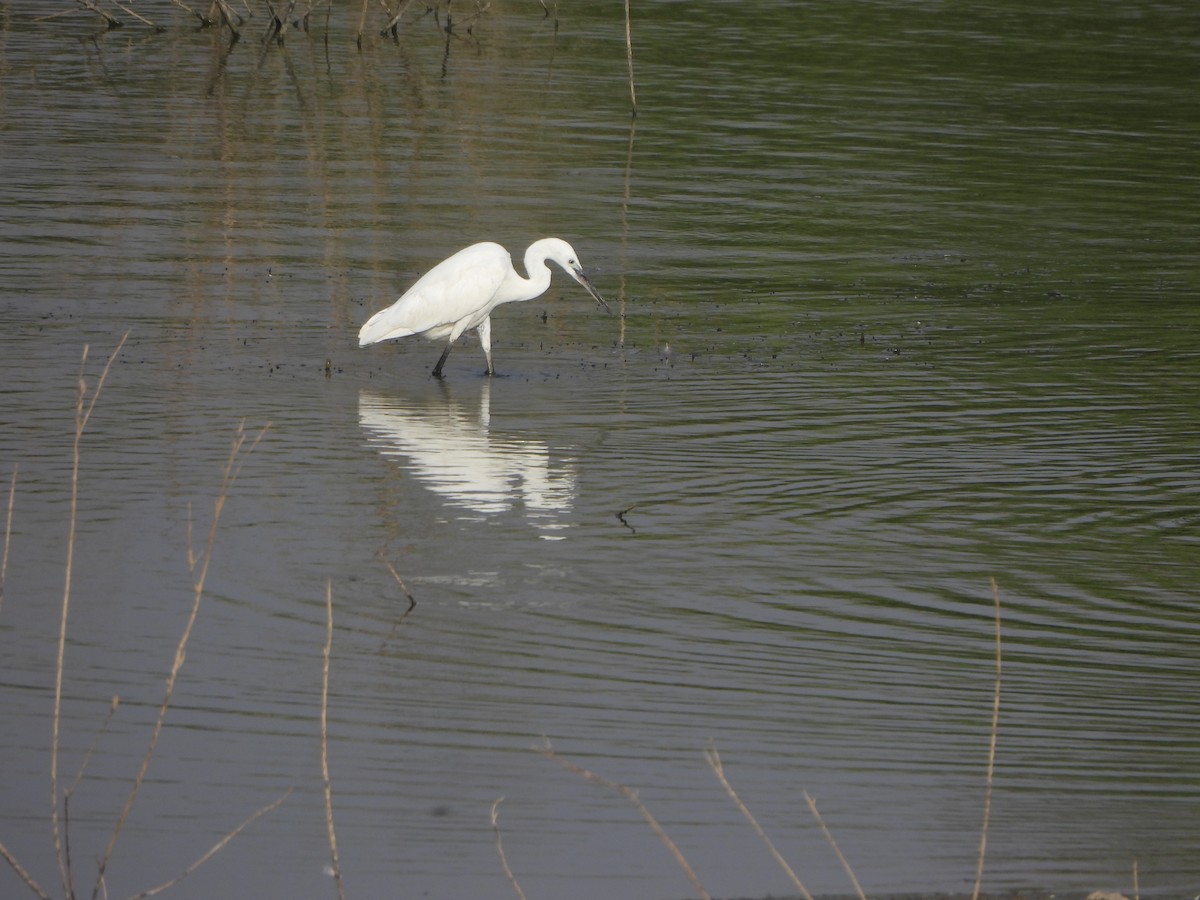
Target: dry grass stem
<point>631,795</point>
<point>991,765</point>
<point>1137,894</point>
<point>812,805</point>
<point>337,868</point>
<point>714,762</point>
<point>22,874</point>
<point>83,413</point>
<point>216,848</point>
<point>512,879</point>
<point>199,574</point>
<point>12,493</point>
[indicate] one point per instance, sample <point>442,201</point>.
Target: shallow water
<point>908,302</point>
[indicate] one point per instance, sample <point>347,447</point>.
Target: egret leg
<point>485,341</point>
<point>437,370</point>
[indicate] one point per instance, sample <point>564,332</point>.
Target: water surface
<point>907,302</point>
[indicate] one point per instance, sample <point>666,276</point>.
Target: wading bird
<point>460,293</point>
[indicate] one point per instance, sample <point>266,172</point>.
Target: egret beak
<point>587,286</point>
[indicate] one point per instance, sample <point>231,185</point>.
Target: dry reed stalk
<point>812,805</point>
<point>631,795</point>
<point>512,879</point>
<point>714,762</point>
<point>216,848</point>
<point>199,568</point>
<point>629,57</point>
<point>337,867</point>
<point>12,493</point>
<point>82,415</point>
<point>991,766</point>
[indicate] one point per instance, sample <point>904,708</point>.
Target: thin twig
<point>82,416</point>
<point>1137,894</point>
<point>991,765</point>
<point>512,879</point>
<point>337,867</point>
<point>714,762</point>
<point>812,805</point>
<point>216,848</point>
<point>12,493</point>
<point>631,795</point>
<point>199,574</point>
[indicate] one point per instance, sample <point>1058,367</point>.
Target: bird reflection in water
<point>450,450</point>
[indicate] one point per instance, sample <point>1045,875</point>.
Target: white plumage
<point>460,292</point>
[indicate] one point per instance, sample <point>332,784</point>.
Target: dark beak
<point>587,286</point>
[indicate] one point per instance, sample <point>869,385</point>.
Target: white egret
<point>460,293</point>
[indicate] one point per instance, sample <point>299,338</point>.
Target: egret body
<point>460,293</point>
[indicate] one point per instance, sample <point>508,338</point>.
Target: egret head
<point>559,251</point>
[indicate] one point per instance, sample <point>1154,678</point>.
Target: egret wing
<point>451,297</point>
